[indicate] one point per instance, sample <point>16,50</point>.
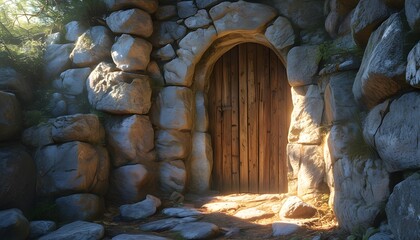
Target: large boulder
<point>413,67</point>
<point>82,206</point>
<point>70,168</point>
<point>338,96</point>
<point>57,59</point>
<point>201,163</point>
<point>308,107</point>
<point>174,107</point>
<point>280,34</point>
<point>393,134</point>
<point>173,144</point>
<point>403,208</point>
<point>149,6</point>
<point>294,207</point>
<point>130,53</point>
<point>361,191</point>
<point>74,80</point>
<point>167,32</point>
<point>130,139</point>
<point>307,56</point>
<point>382,72</point>
<point>240,16</point>
<point>10,116</point>
<point>17,177</point>
<point>367,16</point>
<point>412,11</point>
<point>77,230</point>
<point>128,22</point>
<point>14,82</point>
<point>40,228</point>
<point>74,30</point>
<point>118,92</point>
<point>173,176</point>
<point>92,47</point>
<point>13,225</point>
<point>130,184</point>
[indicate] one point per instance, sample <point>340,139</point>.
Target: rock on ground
<point>40,228</point>
<point>140,210</point>
<point>165,224</point>
<point>81,206</point>
<point>252,213</point>
<point>197,230</point>
<point>284,228</point>
<point>76,231</point>
<point>181,212</point>
<point>403,208</point>
<point>138,237</point>
<point>294,207</point>
<point>13,225</point>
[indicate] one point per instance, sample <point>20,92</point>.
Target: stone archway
<point>181,110</point>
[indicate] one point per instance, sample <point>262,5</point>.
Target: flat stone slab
<point>76,231</point>
<point>284,228</point>
<point>197,230</point>
<point>165,224</point>
<point>181,212</point>
<point>221,206</point>
<point>252,213</point>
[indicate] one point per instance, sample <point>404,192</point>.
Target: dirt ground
<point>323,224</point>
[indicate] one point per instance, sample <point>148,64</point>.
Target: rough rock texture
<point>83,206</point>
<point>284,228</point>
<point>92,47</point>
<point>149,6</point>
<point>77,230</point>
<point>165,53</point>
<point>240,16</point>
<point>14,82</point>
<point>129,184</point>
<point>294,207</point>
<point>13,225</point>
<point>206,3</point>
<point>181,212</point>
<point>131,54</point>
<point>74,30</point>
<point>338,96</point>
<point>382,72</point>
<point>165,12</point>
<point>197,230</point>
<point>78,127</point>
<point>140,210</point>
<point>305,14</point>
<point>199,20</point>
<point>308,56</point>
<point>186,9</point>
<point>280,33</point>
<point>118,92</point>
<point>173,144</point>
<point>130,139</point>
<point>175,108</point>
<point>37,136</point>
<point>133,21</point>
<point>74,80</point>
<point>306,117</point>
<point>201,115</point>
<point>412,11</point>
<point>172,176</point>
<point>394,135</point>
<point>165,224</point>
<point>17,177</point>
<point>167,32</point>
<point>403,208</point>
<point>40,228</point>
<point>343,137</point>
<point>200,163</point>
<point>10,116</point>
<point>57,59</point>
<point>361,191</point>
<point>367,16</point>
<point>156,76</point>
<point>71,167</point>
<point>413,67</point>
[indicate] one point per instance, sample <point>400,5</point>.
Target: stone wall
<point>353,68</point>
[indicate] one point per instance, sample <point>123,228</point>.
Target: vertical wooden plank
<point>264,112</point>
<point>253,95</point>
<point>235,118</point>
<point>276,123</point>
<point>227,124</point>
<point>243,120</point>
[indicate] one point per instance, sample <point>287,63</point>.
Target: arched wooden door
<point>249,110</point>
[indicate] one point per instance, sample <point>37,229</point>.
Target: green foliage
<point>329,50</point>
